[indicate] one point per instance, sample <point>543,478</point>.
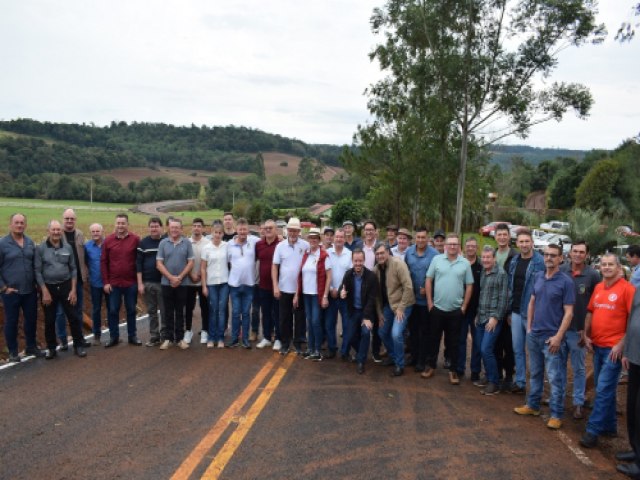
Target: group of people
<point>408,287</point>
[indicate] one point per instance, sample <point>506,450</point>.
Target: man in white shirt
<point>198,241</point>
<point>341,262</point>
<point>287,260</point>
<point>241,252</point>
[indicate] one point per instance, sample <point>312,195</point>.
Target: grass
<point>40,212</point>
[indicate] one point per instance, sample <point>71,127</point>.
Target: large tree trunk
<point>462,177</point>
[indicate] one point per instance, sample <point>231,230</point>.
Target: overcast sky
<point>290,67</point>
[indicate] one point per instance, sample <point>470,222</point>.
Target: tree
<point>310,171</point>
<point>473,65</point>
<point>259,167</point>
<point>595,189</point>
<point>347,209</point>
<point>592,227</point>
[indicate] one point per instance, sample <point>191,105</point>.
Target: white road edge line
<point>87,337</point>
<point>580,455</point>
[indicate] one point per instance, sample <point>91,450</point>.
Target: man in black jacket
<point>359,288</point>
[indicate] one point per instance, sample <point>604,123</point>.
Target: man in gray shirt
<point>174,261</point>
<point>56,274</point>
<point>17,286</point>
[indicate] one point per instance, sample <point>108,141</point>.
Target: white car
<point>553,238</point>
<point>555,226</point>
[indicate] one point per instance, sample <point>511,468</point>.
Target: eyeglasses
<point>550,255</point>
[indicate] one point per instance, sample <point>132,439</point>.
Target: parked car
<point>489,230</point>
<point>564,241</point>
<point>555,226</point>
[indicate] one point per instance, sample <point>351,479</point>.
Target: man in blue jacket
<point>522,270</point>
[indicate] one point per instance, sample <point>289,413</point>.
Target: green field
<point>39,212</point>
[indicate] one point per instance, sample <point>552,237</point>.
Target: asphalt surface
<point>138,412</point>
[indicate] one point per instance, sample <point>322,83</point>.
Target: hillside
<point>502,154</point>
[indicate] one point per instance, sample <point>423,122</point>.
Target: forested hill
<point>503,154</point>
<point>42,147</point>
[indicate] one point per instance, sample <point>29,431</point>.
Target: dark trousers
<point>357,336</point>
<point>291,317</point>
<point>449,324</point>
<point>419,334</point>
<point>376,341</point>
<point>192,292</point>
<point>633,409</point>
<point>504,353</point>
<point>255,309</point>
<point>270,314</point>
<point>13,303</point>
<point>174,301</point>
<point>60,296</point>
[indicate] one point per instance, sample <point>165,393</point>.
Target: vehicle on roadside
<point>489,230</point>
<point>555,226</point>
<point>564,241</point>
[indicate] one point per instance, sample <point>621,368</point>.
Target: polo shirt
<point>289,258</point>
<point>552,294</point>
<point>585,282</point>
<point>339,265</point>
<point>264,255</point>
<point>242,258</point>
<point>610,308</point>
<point>418,265</point>
<point>54,264</point>
<point>215,257</point>
<point>174,256</point>
<point>450,279</point>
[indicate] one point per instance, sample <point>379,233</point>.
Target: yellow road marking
<point>195,457</point>
<point>231,445</point>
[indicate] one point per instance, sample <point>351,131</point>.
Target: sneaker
<point>14,358</point>
<point>284,350</point>
<point>376,358</point>
<point>453,378</point>
<point>554,423</point>
<point>428,373</point>
<point>204,337</point>
<point>526,410</point>
<point>246,345</point>
<point>306,354</point>
<point>264,343</point>
<point>516,389</point>
<point>34,351</point>
<point>589,440</point>
<point>188,336</point>
<point>165,345</point>
<point>220,344</point>
<point>315,357</point>
<point>183,344</point>
<point>277,345</point>
<point>154,342</point>
<point>253,336</point>
<point>481,382</point>
<point>210,344</point>
<point>490,389</point>
<point>233,344</point>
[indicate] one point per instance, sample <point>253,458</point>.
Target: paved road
<point>136,412</point>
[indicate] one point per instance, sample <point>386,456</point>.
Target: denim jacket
<point>536,265</point>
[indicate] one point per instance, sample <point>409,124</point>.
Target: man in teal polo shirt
<point>448,302</point>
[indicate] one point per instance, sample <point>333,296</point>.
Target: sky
<point>290,67</point>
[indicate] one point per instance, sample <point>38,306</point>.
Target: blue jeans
<point>314,327</point>
<point>331,320</point>
<point>218,300</point>
<point>61,318</point>
<point>241,298</point>
<point>270,309</point>
<point>130,295</point>
<point>605,375</point>
<point>540,359</point>
<point>485,343</point>
<point>392,334</point>
<point>356,335</point>
<point>468,324</point>
<point>97,294</point>
<point>13,302</point>
<point>577,354</point>
<point>519,339</point>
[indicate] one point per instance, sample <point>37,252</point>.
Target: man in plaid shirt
<point>492,309</point>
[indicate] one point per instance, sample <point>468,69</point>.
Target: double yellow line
<point>229,417</point>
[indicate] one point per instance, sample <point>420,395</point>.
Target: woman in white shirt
<point>214,271</point>
<point>313,285</point>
